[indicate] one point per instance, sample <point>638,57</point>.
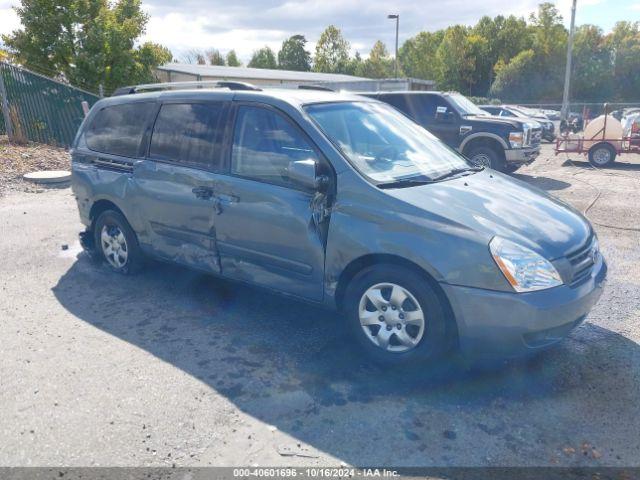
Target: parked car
<point>548,128</point>
<point>500,143</point>
<point>341,201</point>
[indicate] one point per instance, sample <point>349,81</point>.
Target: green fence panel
<point>48,111</point>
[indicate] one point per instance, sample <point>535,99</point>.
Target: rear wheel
<point>116,243</point>
<point>483,156</point>
<point>395,316</point>
<point>602,154</point>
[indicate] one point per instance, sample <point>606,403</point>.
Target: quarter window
<point>187,134</point>
<point>264,143</point>
<point>118,129</point>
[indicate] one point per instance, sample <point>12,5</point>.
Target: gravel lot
<point>173,367</point>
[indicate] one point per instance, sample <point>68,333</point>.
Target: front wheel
<point>485,157</point>
<point>395,316</point>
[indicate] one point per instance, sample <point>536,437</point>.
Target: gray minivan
<point>338,200</point>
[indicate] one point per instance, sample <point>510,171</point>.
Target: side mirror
<point>305,174</point>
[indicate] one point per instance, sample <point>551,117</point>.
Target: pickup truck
<point>500,143</point>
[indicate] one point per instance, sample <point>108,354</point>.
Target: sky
<point>248,25</point>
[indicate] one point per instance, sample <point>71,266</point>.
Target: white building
<point>181,72</point>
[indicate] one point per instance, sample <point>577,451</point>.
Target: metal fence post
<point>4,101</point>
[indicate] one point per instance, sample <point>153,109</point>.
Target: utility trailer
<point>601,150</point>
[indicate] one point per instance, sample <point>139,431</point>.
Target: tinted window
<point>264,143</point>
<point>118,129</point>
<point>186,133</point>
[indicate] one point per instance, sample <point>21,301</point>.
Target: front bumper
<point>507,325</point>
<point>522,155</point>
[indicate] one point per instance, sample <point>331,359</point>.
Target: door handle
<point>204,193</point>
<point>222,200</point>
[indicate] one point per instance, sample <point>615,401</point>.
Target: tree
<point>214,57</point>
<point>194,56</point>
<point>263,58</point>
<point>624,42</point>
<point>417,55</point>
<point>89,42</point>
<point>378,65</point>
<point>536,74</point>
<point>592,79</point>
<point>293,56</point>
<point>332,52</point>
<point>458,56</point>
<point>232,59</point>
<point>505,37</point>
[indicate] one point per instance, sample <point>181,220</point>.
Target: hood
<point>491,203</point>
<point>506,121</point>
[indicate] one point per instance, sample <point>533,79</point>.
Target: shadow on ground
<point>619,165</point>
<point>289,365</point>
<point>545,183</point>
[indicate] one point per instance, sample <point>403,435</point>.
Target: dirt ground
<point>16,160</point>
<point>173,367</point>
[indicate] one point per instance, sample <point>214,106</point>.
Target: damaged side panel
<point>175,214</point>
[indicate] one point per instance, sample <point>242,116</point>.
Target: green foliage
<point>592,73</point>
<point>536,74</point>
<point>263,58</point>
<point>624,43</point>
<point>232,59</point>
<point>332,52</point>
<point>89,42</point>
<point>293,56</point>
<point>418,55</point>
<point>378,65</point>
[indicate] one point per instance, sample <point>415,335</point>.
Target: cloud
<point>248,25</point>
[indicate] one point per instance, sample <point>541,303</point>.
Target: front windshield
<point>383,144</point>
<point>464,105</point>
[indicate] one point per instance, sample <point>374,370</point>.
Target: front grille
<point>582,262</point>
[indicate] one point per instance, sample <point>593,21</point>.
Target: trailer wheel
<point>602,154</point>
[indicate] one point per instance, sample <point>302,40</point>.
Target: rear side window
<point>118,129</point>
<point>186,133</point>
<point>264,142</point>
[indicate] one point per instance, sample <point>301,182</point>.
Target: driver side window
<point>264,142</point>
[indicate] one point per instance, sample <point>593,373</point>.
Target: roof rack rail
<point>184,85</point>
<point>315,87</point>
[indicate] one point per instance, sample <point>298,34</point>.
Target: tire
<point>486,157</point>
<point>398,323</point>
<point>602,155</point>
<point>120,250</point>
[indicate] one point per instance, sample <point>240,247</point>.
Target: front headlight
<point>524,269</point>
<point>516,139</point>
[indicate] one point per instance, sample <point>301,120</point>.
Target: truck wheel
<point>395,316</point>
<point>116,242</point>
<point>482,156</point>
<point>602,154</point>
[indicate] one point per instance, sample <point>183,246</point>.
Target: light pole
<point>564,114</point>
<point>397,19</point>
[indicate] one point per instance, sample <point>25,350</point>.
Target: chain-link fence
<point>38,109</point>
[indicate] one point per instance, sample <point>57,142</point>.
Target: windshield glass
<point>464,105</point>
<point>383,144</point>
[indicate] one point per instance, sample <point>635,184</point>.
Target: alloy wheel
<point>481,160</point>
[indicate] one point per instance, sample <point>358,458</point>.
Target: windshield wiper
<point>456,171</point>
<point>408,182</point>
